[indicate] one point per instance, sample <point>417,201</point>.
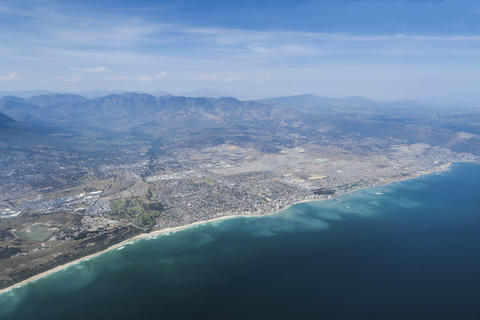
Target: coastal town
<point>242,159</point>
<point>197,185</point>
<point>191,185</point>
<point>84,190</point>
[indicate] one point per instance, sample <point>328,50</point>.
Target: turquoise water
<point>408,250</point>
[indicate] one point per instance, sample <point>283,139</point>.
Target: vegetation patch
<point>207,181</point>
<point>136,211</point>
<point>37,232</point>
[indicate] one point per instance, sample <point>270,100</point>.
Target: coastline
<point>197,223</point>
<point>118,245</point>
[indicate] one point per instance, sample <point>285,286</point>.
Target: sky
<point>380,49</point>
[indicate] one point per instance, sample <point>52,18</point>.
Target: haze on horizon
<point>254,48</point>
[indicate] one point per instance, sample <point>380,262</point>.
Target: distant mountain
<point>142,113</point>
<point>4,119</point>
<point>316,104</point>
<point>309,102</point>
<point>456,99</point>
<point>52,99</point>
<point>204,93</point>
<point>165,109</point>
<point>97,93</point>
<point>19,109</point>
<point>14,98</point>
<point>160,93</point>
<point>24,93</point>
<point>123,111</point>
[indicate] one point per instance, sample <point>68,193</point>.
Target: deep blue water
<point>408,250</point>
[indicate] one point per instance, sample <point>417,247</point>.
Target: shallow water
<point>405,250</point>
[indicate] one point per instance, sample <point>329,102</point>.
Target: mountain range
<point>123,111</point>
<point>452,126</point>
<point>4,119</point>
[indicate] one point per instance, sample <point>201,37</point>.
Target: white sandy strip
<point>118,245</point>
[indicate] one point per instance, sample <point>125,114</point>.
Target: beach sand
<point>118,245</point>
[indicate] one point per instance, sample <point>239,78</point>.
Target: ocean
<point>407,250</point>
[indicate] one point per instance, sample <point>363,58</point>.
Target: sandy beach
<point>118,245</point>
<point>175,229</point>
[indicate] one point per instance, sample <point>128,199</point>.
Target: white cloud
<point>105,33</point>
<point>89,70</point>
<point>229,79</point>
<point>208,77</point>
<point>142,78</point>
<point>63,79</point>
<point>161,75</point>
<point>12,76</point>
<point>297,44</point>
<point>107,38</point>
<point>47,39</point>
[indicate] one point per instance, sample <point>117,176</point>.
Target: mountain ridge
<point>132,107</point>
<point>4,119</point>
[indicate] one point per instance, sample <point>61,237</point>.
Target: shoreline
<point>118,245</point>
<point>194,224</point>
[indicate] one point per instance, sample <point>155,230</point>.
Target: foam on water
<point>289,220</point>
<point>10,300</point>
<point>204,240</point>
<point>75,277</point>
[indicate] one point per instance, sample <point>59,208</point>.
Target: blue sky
<point>381,49</point>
